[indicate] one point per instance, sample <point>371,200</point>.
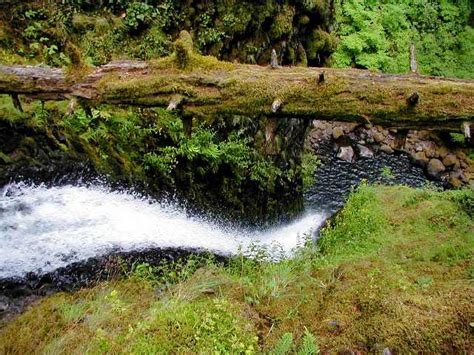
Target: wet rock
<point>337,132</point>
<point>379,137</point>
<point>346,154</point>
<point>386,149</point>
<point>435,168</point>
<point>3,306</point>
<point>455,179</point>
<point>386,351</point>
<point>334,326</point>
<point>336,177</point>
<point>430,150</point>
<point>420,158</point>
<point>365,152</point>
<point>461,155</point>
<point>450,160</point>
<point>443,152</point>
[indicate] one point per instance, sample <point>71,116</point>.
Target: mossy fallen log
<point>208,87</point>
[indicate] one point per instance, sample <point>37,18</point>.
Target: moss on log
<point>210,87</point>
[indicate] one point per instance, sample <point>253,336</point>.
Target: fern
<point>285,345</point>
<point>309,345</point>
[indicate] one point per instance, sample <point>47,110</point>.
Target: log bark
<point>210,87</point>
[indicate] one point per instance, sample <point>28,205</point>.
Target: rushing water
<point>44,228</point>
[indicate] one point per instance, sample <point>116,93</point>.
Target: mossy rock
<point>283,22</point>
<point>183,49</point>
<point>320,41</point>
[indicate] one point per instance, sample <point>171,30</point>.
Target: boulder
<point>337,132</point>
<point>397,143</point>
<point>379,137</point>
<point>420,158</point>
<point>435,168</point>
<point>456,179</point>
<point>365,152</point>
<point>430,149</point>
<point>346,154</point>
<point>349,127</point>
<point>443,151</point>
<point>450,160</point>
<point>386,149</point>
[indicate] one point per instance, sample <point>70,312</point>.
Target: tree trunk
<point>209,87</point>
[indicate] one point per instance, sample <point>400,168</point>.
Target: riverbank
<point>394,271</point>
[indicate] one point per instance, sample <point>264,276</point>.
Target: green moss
<point>183,49</point>
<point>8,112</point>
<point>283,22</point>
<point>301,56</point>
<point>85,22</point>
<point>225,29</point>
<point>5,158</point>
<point>320,42</point>
<point>309,165</point>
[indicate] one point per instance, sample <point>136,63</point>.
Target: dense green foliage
<point>377,35</point>
<point>371,34</point>
<point>96,32</point>
<point>150,146</point>
<point>393,270</point>
<point>210,155</point>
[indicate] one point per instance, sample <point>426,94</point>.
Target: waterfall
<point>44,228</point>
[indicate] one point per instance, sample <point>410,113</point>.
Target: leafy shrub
<point>139,15</point>
<point>378,36</point>
<point>90,5</point>
<point>154,44</point>
<point>208,32</point>
<point>458,138</point>
<point>167,273</point>
<point>387,173</point>
<point>208,155</point>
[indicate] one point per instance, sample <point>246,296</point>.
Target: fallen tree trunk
<point>207,87</point>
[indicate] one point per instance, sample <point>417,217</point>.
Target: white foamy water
<point>44,228</point>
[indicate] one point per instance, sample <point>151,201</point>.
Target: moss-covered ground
<point>393,270</point>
